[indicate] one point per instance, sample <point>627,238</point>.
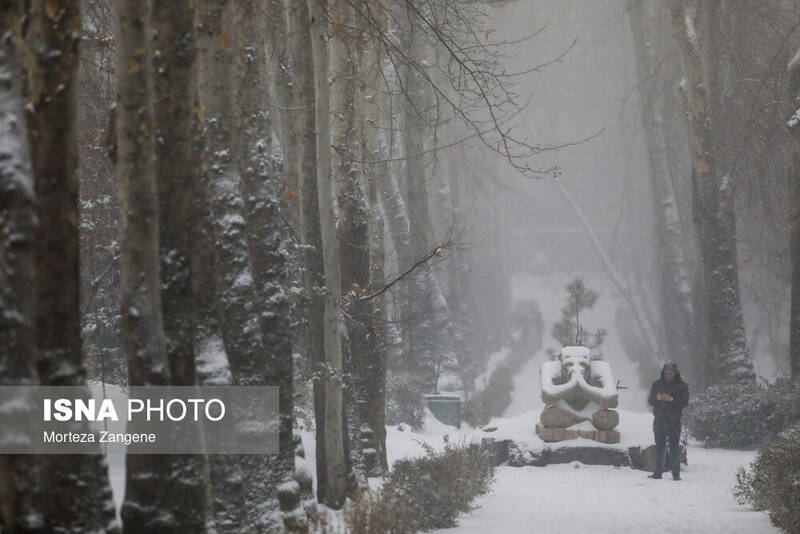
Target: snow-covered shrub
<point>424,493</point>
<point>773,481</point>
<point>743,415</point>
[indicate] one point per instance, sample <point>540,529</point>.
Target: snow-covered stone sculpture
<point>579,395</point>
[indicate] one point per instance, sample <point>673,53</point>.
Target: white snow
<point>581,499</point>
<point>212,362</point>
<point>604,499</point>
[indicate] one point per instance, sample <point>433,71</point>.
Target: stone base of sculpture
<point>561,434</point>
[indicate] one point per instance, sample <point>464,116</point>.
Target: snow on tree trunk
<point>303,117</point>
<point>679,315</point>
<point>153,490</point>
<point>372,409</point>
<point>75,496</point>
<point>177,169</point>
<point>260,189</point>
<point>415,373</point>
<point>793,97</point>
<point>241,499</point>
<point>20,509</point>
<point>426,318</point>
<point>713,208</point>
<point>353,228</point>
<point>334,485</point>
<point>284,87</point>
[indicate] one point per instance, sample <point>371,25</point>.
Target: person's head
<point>670,371</point>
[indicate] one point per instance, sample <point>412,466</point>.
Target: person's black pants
<point>668,431</point>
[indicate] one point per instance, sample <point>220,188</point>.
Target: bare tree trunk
<point>302,127</point>
<point>219,190</point>
<point>417,117</point>
<point>261,189</point>
<point>415,374</point>
<point>793,96</point>
<point>426,318</point>
<point>470,342</point>
<point>76,496</point>
<point>20,500</point>
<point>149,492</point>
<point>650,35</point>
<point>335,478</point>
<point>713,209</point>
<point>177,169</point>
<point>353,228</point>
<point>418,324</point>
<point>373,408</point>
<point>285,92</point>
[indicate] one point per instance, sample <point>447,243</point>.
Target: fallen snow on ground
<point>577,498</point>
<point>635,430</point>
<point>581,499</point>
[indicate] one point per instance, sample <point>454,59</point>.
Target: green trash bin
<point>445,408</point>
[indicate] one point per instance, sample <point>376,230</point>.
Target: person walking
<point>669,395</point>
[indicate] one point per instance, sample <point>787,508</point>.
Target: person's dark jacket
<point>677,389</point>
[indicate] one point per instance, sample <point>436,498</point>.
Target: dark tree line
<point>716,100</point>
<point>248,171</point>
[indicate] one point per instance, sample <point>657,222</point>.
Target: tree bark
<point>793,98</point>
<point>415,373</point>
<point>219,191</point>
<point>713,209</point>
<point>353,228</point>
<point>76,496</point>
<point>261,189</point>
<point>679,315</point>
<point>20,508</point>
<point>303,126</point>
<point>150,496</point>
<point>372,409</point>
<point>426,318</point>
<point>334,488</point>
<point>174,52</point>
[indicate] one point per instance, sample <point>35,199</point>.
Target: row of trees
<point>264,151</point>
<point>716,99</point>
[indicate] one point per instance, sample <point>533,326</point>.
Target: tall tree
<point>302,143</point>
<point>713,209</point>
<point>261,189</point>
<point>353,223</point>
<point>793,98</point>
<point>334,485</point>
<point>177,169</point>
<point>20,503</point>
<point>250,277</point>
<point>371,384</point>
<point>426,324</point>
<point>154,489</point>
<point>76,495</point>
<point>218,193</point>
<point>657,88</point>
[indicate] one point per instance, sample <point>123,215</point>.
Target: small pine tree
<point>566,330</point>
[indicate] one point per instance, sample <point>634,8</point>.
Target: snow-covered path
<point>602,499</point>
<point>583,499</point>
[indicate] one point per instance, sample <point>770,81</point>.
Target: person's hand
<point>664,397</point>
